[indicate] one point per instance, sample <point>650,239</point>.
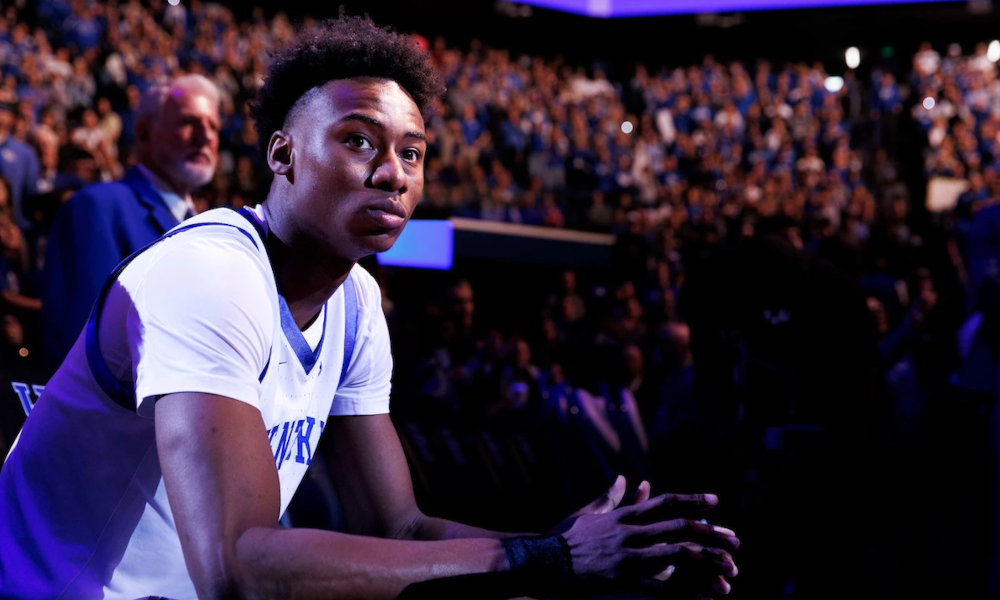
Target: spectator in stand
<point>110,125</point>
<point>19,298</point>
<point>18,164</point>
<point>177,131</point>
<point>82,30</point>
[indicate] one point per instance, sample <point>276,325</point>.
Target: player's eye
<point>411,154</point>
<point>360,142</point>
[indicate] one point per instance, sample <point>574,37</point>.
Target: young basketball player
<point>166,447</point>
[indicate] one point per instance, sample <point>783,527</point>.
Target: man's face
<point>357,165</point>
<point>13,333</point>
<point>463,302</point>
<point>185,139</point>
<point>877,310</point>
<point>633,360</point>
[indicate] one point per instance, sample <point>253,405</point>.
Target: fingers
<point>721,555</point>
<point>724,530</point>
<point>686,558</point>
<point>613,497</point>
<point>641,493</point>
<point>678,531</point>
<point>607,501</point>
<point>668,505</point>
<point>725,557</point>
<point>681,571</point>
<point>665,573</point>
<point>721,585</point>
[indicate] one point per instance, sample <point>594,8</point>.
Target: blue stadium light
<point>645,8</point>
<point>423,245</point>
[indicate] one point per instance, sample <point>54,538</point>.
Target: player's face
<point>357,169</point>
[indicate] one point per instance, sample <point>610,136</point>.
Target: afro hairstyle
<point>341,48</point>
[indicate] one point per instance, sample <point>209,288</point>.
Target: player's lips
<point>387,213</point>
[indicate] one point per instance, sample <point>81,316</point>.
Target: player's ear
<point>279,153</point>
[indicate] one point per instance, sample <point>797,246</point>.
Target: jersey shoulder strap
<point>350,324</point>
<point>350,303</point>
<point>123,392</point>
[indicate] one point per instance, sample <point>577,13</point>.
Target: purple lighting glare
<point>646,8</point>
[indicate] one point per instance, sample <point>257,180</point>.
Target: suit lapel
<point>159,214</point>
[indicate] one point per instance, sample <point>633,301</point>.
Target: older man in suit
<point>177,133</point>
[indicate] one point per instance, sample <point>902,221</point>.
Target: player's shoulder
<point>218,245</point>
<point>220,227</point>
<point>223,221</point>
<point>209,267</point>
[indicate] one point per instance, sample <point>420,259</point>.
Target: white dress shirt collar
<point>177,204</point>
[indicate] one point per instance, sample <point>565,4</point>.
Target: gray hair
<point>152,101</point>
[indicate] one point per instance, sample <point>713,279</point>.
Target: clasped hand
<point>648,549</point>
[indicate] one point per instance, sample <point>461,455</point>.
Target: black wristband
<point>544,563</point>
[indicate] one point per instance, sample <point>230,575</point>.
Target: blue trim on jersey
<point>264,372</point>
<point>254,220</point>
<point>123,392</point>
<point>306,355</point>
<point>350,325</point>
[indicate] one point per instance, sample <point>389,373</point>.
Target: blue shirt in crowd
<point>19,165</point>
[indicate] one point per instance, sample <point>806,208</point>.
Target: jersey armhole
<point>350,325</point>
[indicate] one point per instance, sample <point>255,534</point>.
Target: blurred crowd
<point>679,157</point>
<point>677,163</point>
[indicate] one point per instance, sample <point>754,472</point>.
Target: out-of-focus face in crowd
<point>185,138</point>
<point>463,303</point>
<point>877,310</point>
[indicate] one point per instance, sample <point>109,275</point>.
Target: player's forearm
<point>304,563</point>
<point>433,528</point>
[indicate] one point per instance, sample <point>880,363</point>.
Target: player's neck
<point>306,281</point>
<point>306,286</point>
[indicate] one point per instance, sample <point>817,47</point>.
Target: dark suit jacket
<point>983,245</point>
<point>96,229</point>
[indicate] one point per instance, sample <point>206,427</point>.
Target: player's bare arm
<point>223,491</point>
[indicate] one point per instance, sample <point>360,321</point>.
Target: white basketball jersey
<point>83,510</point>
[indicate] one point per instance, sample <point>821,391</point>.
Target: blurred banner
<point>436,244</point>
<point>424,245</point>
